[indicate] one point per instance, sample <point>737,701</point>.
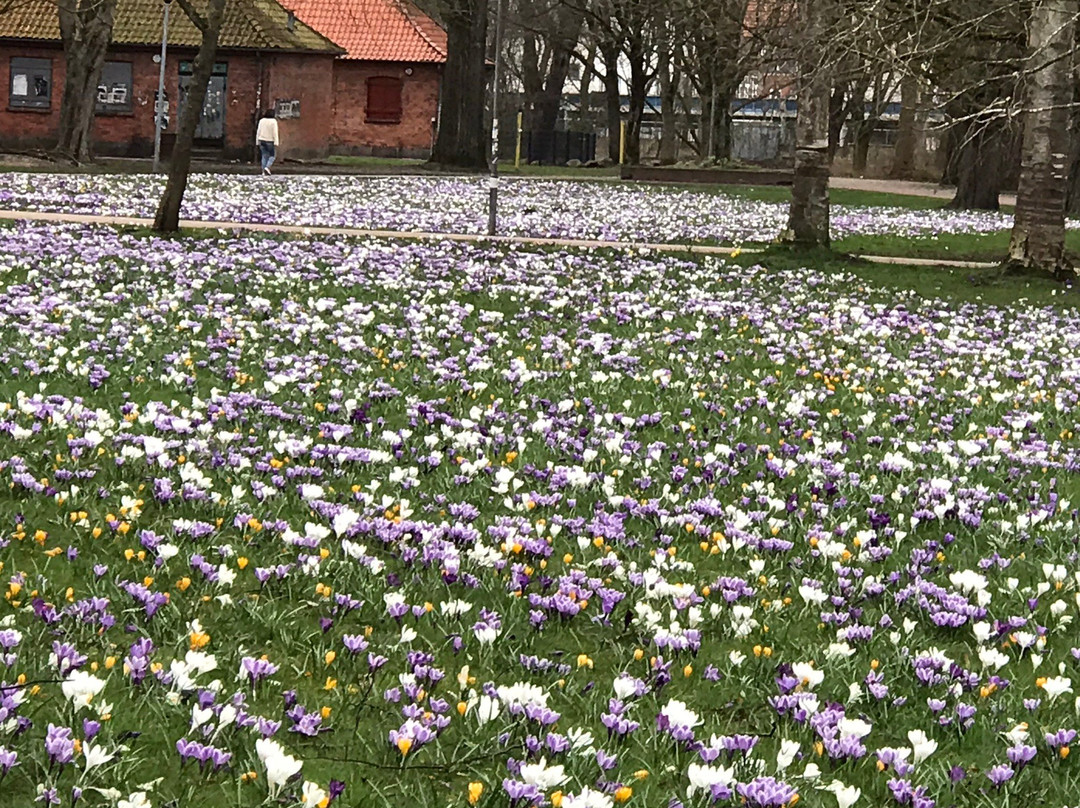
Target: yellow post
<point>517,152</point>
<point>622,143</point>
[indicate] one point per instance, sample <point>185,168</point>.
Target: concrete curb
<point>415,235</point>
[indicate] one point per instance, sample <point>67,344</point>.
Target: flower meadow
<point>294,522</point>
<point>605,211</point>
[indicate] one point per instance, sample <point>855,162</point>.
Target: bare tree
<point>1038,237</point>
<point>462,139</point>
<point>808,218</point>
<point>548,32</point>
<point>907,131</point>
<point>209,25</point>
<point>725,42</point>
<point>86,31</point>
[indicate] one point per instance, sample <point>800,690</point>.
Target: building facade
<point>243,83</point>
<point>366,81</point>
<point>388,81</point>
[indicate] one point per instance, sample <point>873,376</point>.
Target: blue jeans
<point>267,152</point>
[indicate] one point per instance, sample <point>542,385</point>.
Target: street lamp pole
<point>159,106</point>
<point>493,181</point>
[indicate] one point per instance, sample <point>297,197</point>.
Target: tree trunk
<point>462,141</point>
<point>1038,236</point>
<point>722,122</point>
<point>532,82</point>
<point>808,220</point>
<point>864,134</point>
<point>639,89</point>
<point>168,212</point>
<point>588,72</point>
<point>976,159</point>
<point>86,30</point>
<point>1072,204</point>
<point>838,112</point>
<point>612,99</point>
<point>669,133</point>
<point>550,100</point>
<point>903,167</point>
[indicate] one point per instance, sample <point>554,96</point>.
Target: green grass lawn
<point>984,247</point>
<point>958,286</point>
<point>968,247</point>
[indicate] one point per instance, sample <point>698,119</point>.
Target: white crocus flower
<point>487,709</point>
<point>542,776</point>
<point>588,798</point>
<point>625,687</point>
<point>95,755</point>
<point>806,673</point>
<point>839,650</point>
<point>1056,685</point>
<point>922,746</point>
<point>312,794</point>
<point>703,778</point>
<point>679,715</point>
<point>81,687</point>
<point>135,800</point>
<point>280,766</point>
<point>854,727</point>
<point>786,755</point>
<point>846,796</point>
<point>200,716</point>
<point>1017,735</point>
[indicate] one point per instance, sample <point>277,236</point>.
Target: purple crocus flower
<point>1000,774</point>
<point>59,744</point>
<point>256,669</point>
<point>1020,755</point>
<point>9,759</point>
<point>765,792</point>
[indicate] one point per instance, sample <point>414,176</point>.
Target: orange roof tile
<point>375,30</point>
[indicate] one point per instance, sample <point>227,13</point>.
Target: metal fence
<point>549,148</point>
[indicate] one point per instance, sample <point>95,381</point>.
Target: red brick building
<point>266,57</point>
<point>387,84</point>
<point>365,81</point>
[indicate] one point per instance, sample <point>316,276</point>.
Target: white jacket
<point>268,130</point>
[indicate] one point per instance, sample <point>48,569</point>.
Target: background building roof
<point>248,24</point>
<point>375,30</point>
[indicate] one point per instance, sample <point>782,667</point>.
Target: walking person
<point>268,139</point>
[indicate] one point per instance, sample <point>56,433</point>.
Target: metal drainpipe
<point>258,93</point>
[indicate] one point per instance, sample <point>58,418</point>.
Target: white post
<point>159,107</point>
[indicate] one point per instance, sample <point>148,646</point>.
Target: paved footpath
<point>416,235</point>
<point>905,188</point>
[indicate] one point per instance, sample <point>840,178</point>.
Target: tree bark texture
<point>167,219</point>
<point>860,147</point>
<point>86,30</point>
<point>838,113</point>
<point>976,157</point>
<point>545,69</point>
<point>1038,236</point>
<point>808,219</point>
<point>639,91</point>
<point>588,72</point>
<point>462,139</point>
<point>722,125</point>
<point>669,134</point>
<point>907,136</point>
<point>612,98</point>
<point>1072,203</point>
